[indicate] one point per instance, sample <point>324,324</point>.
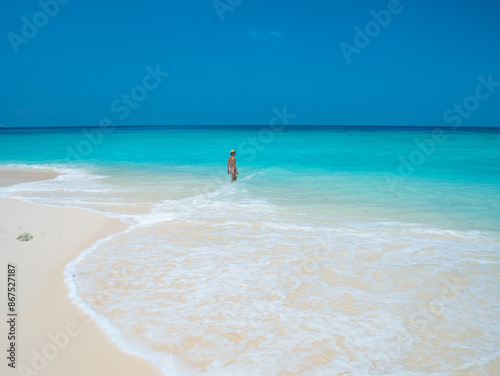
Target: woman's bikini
<point>231,166</point>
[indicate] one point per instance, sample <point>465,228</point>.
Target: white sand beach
<point>53,337</point>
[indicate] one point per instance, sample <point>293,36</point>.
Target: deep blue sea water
<point>339,250</point>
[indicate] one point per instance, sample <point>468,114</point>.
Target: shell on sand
<point>24,237</point>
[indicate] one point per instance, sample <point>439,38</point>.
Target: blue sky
<point>232,62</point>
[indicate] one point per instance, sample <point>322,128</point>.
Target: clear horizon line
<point>289,126</point>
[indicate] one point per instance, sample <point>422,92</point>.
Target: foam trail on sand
<point>226,294</point>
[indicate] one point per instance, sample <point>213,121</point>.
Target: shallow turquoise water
<point>338,251</point>
<point>452,180</point>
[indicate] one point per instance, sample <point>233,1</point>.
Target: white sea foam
<point>226,282</point>
<point>216,294</point>
<point>226,291</point>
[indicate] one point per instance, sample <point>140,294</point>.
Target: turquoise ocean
<point>338,251</point>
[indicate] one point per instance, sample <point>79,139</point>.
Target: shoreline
<point>52,335</point>
<point>10,177</point>
<point>381,255</point>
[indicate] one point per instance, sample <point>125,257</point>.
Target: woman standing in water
<point>231,166</point>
